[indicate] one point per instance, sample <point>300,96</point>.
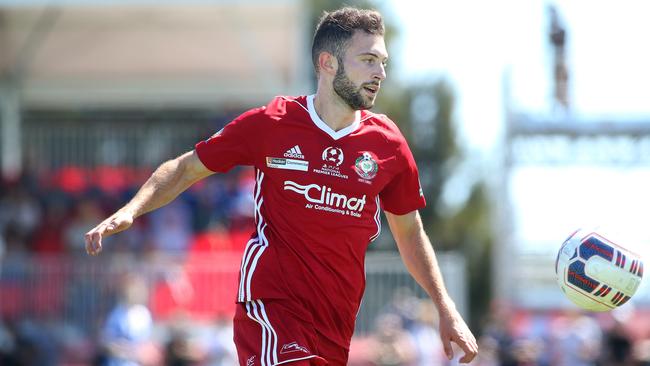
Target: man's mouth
<point>372,89</point>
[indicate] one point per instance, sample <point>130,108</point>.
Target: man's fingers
<point>466,359</point>
<point>470,348</point>
<point>112,225</point>
<point>93,242</point>
<point>94,238</point>
<point>446,345</point>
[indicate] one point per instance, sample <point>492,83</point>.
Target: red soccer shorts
<point>268,333</point>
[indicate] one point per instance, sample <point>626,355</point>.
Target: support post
<point>10,135</point>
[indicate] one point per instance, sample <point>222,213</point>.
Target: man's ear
<point>327,63</point>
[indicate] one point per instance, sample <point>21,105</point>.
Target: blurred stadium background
<point>95,94</point>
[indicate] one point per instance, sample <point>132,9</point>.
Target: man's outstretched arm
<point>166,183</point>
<point>420,260</point>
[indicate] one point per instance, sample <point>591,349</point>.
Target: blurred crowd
<point>406,334</point>
<point>43,218</point>
<point>565,337</point>
<point>47,214</point>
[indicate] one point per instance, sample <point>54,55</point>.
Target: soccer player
<point>325,168</point>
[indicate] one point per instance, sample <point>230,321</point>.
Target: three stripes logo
<point>603,291</point>
<point>620,259</point>
<point>294,153</point>
<point>619,299</point>
<point>637,268</point>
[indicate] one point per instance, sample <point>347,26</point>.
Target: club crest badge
<point>365,166</point>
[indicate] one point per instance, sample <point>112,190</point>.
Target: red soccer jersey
<point>317,196</point>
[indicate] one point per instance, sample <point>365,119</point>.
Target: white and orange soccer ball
<point>597,272</point>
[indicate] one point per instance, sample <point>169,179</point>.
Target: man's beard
<point>349,92</point>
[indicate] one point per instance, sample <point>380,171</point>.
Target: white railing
<point>79,291</point>
<point>138,139</point>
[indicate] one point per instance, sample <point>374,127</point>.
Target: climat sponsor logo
<point>323,195</point>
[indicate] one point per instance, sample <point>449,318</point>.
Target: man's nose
<point>380,74</point>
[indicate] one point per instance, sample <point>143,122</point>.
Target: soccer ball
<point>595,272</point>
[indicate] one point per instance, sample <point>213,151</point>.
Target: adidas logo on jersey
<point>294,152</point>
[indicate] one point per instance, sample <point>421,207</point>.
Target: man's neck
<point>333,111</point>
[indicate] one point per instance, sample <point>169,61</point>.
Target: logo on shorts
<point>250,361</point>
<point>293,347</point>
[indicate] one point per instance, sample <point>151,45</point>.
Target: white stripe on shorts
<point>269,353</point>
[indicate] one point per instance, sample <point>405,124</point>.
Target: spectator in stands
<point>404,304</point>
<point>20,211</point>
<point>497,332</point>
<point>221,349</point>
<point>87,211</point>
<point>29,343</point>
<point>617,347</point>
<point>243,207</point>
<point>489,355</point>
<point>526,352</point>
<point>171,227</point>
<point>48,238</point>
<point>642,352</point>
<point>391,345</point>
<point>576,340</point>
<point>180,350</point>
<point>15,244</point>
<point>20,215</point>
<point>428,348</point>
<point>126,336</point>
<point>7,345</point>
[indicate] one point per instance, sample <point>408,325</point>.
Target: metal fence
<point>53,139</point>
<point>79,292</point>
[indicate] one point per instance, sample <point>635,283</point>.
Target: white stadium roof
<point>121,53</point>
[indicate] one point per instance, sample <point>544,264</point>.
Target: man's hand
<point>166,183</point>
<point>418,255</point>
<point>454,329</point>
<point>119,221</point>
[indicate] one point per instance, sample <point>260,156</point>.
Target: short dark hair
<point>335,29</point>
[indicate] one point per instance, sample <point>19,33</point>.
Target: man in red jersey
<point>325,169</point>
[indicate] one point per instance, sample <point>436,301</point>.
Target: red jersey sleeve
<point>233,145</point>
<point>403,193</point>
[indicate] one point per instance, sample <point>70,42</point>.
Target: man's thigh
<point>268,333</point>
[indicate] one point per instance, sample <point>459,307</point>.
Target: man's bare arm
<point>166,183</point>
<point>420,260</point>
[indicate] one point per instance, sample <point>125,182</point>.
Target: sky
<point>483,46</point>
<point>478,44</point>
